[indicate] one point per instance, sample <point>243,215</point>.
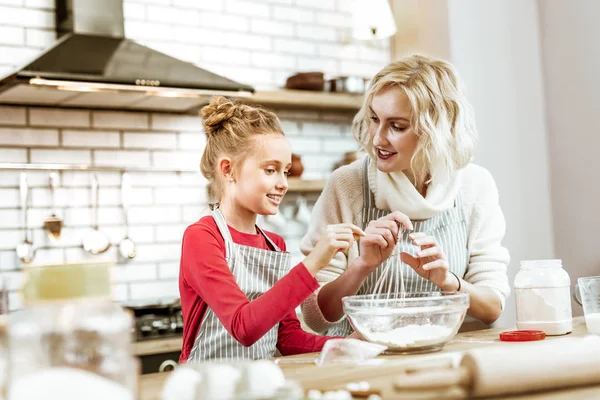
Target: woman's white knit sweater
<point>342,202</point>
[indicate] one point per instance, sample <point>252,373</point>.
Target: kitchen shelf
<point>286,98</point>
<point>304,186</point>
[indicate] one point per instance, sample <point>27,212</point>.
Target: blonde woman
<point>416,187</point>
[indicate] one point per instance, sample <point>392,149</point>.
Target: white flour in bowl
<point>411,336</point>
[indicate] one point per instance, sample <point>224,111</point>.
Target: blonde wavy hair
<point>442,116</point>
<point>229,128</point>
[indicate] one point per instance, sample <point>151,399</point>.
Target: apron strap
<point>269,241</point>
<point>368,197</point>
<point>224,229</point>
<point>222,225</point>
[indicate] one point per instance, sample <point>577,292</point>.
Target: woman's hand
<point>430,262</point>
<point>338,237</point>
<point>380,238</point>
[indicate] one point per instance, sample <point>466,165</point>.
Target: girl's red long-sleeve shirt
<point>205,281</point>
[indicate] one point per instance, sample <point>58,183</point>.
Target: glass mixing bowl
<point>413,322</point>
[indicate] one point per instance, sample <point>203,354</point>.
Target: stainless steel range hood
<point>93,65</point>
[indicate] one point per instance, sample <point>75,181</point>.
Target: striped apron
<point>256,271</point>
<point>449,228</point>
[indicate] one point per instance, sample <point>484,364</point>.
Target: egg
<point>260,379</point>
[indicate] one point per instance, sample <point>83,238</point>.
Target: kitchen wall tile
<point>63,197</point>
<point>31,18</point>
<point>120,292</point>
<point>301,47</point>
<point>290,127</point>
<point>299,115</point>
<point>78,216</point>
<point>172,15</point>
<point>170,233</point>
<point>47,4</point>
<point>49,256</point>
<point>137,196</point>
<point>192,34</point>
<point>189,160</point>
<point>224,21</point>
<point>226,55</point>
<point>154,215</point>
<point>158,252</point>
<point>78,254</point>
<point>168,270</point>
<point>9,260</point>
<point>271,60</point>
<point>86,138</point>
<point>247,8</point>
<point>129,158</point>
<point>9,198</point>
<point>10,218</point>
<point>334,19</point>
<point>244,40</point>
<point>12,35</point>
<point>12,156</point>
<point>330,66</point>
<point>319,162</point>
<point>154,290</point>
<point>120,120</point>
<point>58,117</point>
<point>11,2</point>
<point>328,5</point>
<point>153,140</point>
<point>271,27</point>
<point>149,30</point>
<point>169,122</point>
<point>305,145</point>
<point>12,280</point>
<point>134,11</point>
<point>295,14</point>
<point>133,272</point>
<point>153,179</point>
<point>321,129</point>
<point>158,2</point>
<point>16,56</point>
<point>61,156</point>
<point>317,33</point>
<point>339,145</point>
<point>192,214</point>
<point>181,196</point>
<point>192,141</point>
<point>28,137</point>
<point>10,238</point>
<point>194,179</point>
<point>12,115</point>
<point>213,5</point>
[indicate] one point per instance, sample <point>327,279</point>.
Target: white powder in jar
<point>66,384</point>
<point>411,336</point>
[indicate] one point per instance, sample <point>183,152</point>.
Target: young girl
<point>238,292</point>
<point>416,189</point>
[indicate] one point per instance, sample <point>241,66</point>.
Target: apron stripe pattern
<point>255,271</point>
<point>449,229</point>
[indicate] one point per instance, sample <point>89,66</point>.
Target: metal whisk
<point>391,281</point>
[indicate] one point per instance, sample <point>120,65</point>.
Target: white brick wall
<point>260,42</point>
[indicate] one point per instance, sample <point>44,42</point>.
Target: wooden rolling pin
<point>513,368</point>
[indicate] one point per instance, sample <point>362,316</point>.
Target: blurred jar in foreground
<point>71,341</point>
<point>542,296</point>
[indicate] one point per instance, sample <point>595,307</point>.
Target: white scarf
<point>394,191</point>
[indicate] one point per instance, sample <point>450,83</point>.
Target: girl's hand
<point>380,239</point>
<point>338,237</point>
<point>431,262</point>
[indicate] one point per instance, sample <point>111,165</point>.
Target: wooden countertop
<point>157,346</point>
<point>311,376</point>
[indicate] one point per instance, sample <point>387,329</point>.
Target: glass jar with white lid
<point>70,341</point>
<point>542,297</point>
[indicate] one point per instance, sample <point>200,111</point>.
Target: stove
<point>157,320</point>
